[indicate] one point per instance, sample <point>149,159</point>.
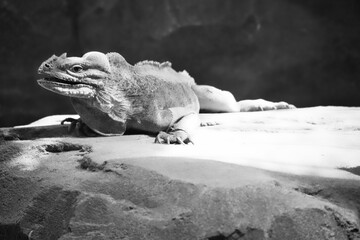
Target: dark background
<point>306,52</point>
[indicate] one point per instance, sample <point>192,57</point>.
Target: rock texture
<point>302,52</point>
<point>130,188</point>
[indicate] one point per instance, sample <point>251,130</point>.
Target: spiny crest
<point>63,55</point>
<point>185,73</point>
<point>115,55</point>
<point>154,64</point>
<point>116,60</point>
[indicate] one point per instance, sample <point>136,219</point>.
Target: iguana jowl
<point>112,96</point>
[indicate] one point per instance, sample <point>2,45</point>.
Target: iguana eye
<point>76,68</point>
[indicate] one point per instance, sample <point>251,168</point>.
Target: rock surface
<point>289,174</point>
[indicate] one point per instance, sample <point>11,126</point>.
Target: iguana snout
<point>77,77</point>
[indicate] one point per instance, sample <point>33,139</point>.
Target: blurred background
<point>305,52</point>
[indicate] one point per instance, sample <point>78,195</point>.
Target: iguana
<point>112,96</point>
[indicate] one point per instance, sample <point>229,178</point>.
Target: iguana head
<point>79,77</point>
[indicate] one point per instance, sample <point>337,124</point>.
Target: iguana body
<point>112,96</point>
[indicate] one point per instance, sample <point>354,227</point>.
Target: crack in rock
<point>311,191</point>
<point>249,233</point>
<point>58,147</point>
<point>87,163</point>
<point>352,231</point>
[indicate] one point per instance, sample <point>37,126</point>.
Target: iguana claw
<point>70,120</point>
<point>73,123</point>
<point>174,137</point>
<point>79,126</point>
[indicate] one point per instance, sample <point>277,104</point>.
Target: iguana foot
<point>262,105</point>
<point>177,136</point>
<point>79,127</point>
<point>208,124</point>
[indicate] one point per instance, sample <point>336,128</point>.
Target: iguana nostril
<point>47,65</point>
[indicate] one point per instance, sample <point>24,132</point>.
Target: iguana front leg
<point>181,127</point>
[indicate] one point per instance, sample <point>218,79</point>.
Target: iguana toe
<point>284,105</point>
<point>73,123</point>
<point>70,120</point>
<point>180,141</point>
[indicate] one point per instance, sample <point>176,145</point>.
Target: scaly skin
<point>111,96</point>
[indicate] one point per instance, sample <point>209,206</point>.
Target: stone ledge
<point>265,175</point>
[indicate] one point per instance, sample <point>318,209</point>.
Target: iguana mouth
<point>68,88</point>
<point>68,82</point>
<point>53,79</point>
